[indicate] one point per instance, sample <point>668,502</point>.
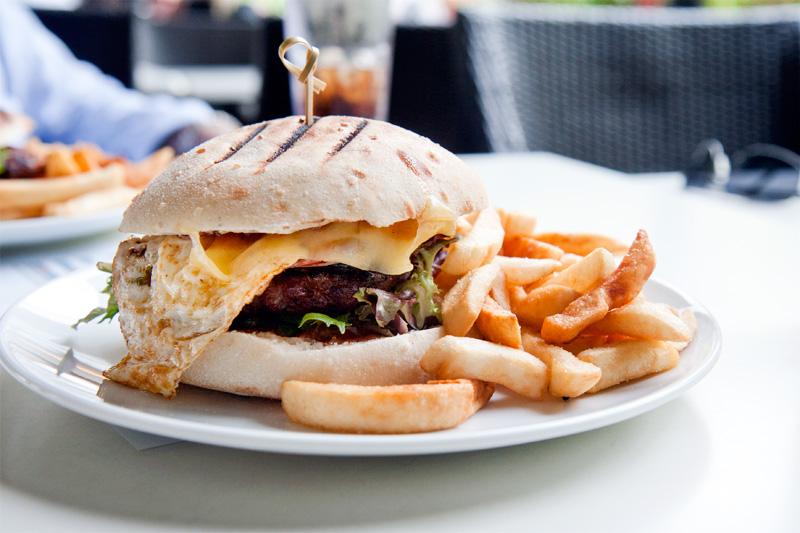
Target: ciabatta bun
<point>257,364</point>
<point>282,176</point>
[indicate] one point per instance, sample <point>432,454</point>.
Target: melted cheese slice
<point>357,244</point>
<point>200,284</point>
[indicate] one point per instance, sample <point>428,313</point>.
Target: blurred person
<point>71,100</point>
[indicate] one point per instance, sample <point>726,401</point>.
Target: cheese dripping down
<point>358,244</point>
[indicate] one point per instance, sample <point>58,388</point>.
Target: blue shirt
<point>72,100</point>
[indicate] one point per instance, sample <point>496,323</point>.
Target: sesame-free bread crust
<point>282,176</point>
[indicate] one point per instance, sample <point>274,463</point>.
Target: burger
<point>283,251</point>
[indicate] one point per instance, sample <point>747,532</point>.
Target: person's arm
<point>73,101</point>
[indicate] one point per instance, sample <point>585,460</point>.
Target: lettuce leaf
<point>111,308</point>
<point>414,304</point>
<point>329,321</point>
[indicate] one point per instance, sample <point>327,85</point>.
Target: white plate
<point>38,347</point>
<point>48,229</point>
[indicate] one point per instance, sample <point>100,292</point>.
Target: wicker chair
<point>634,89</point>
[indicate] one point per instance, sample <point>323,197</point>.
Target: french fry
<point>567,260</point>
<point>584,342</point>
<point>60,162</point>
<point>460,357</point>
<point>526,246</point>
<point>479,246</point>
<point>629,359</point>
<point>519,223</point>
<point>582,243</point>
<point>619,288</point>
<point>499,291</point>
<point>524,271</point>
<point>14,213</point>
<point>27,192</point>
<point>91,202</point>
<point>413,408</point>
<point>499,325</point>
<point>688,318</point>
<point>87,157</point>
<point>532,308</point>
<point>586,273</point>
<point>643,320</point>
<point>569,376</point>
<point>462,304</point>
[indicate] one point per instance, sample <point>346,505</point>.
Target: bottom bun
<point>257,364</point>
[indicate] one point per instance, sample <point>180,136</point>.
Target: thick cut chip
<point>532,308</point>
<point>462,304</point>
<point>526,246</point>
<point>519,223</point>
<point>629,359</point>
<point>643,320</point>
<point>586,273</point>
<point>569,376</point>
<point>478,247</point>
<point>431,406</point>
<point>461,357</point>
<point>499,291</point>
<point>499,325</point>
<point>28,192</point>
<point>524,271</point>
<point>582,243</point>
<point>619,288</point>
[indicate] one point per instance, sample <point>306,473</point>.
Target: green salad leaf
<point>111,308</point>
<point>329,321</point>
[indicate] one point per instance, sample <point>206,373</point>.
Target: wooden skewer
<point>306,74</point>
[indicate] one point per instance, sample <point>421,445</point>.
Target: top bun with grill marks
<point>283,176</point>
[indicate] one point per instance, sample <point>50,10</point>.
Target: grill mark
<point>287,144</point>
<point>241,144</point>
<point>348,138</point>
<point>413,164</point>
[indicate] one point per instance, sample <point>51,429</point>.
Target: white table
<point>725,456</point>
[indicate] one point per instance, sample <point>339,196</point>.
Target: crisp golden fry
<point>643,320</point>
<point>462,304</point>
<point>629,359</point>
<point>415,408</point>
<point>27,192</point>
<point>463,226</point>
<point>532,308</point>
<point>690,320</point>
<point>567,260</point>
<point>87,157</point>
<point>584,342</point>
<point>499,291</point>
<point>92,202</point>
<point>526,246</point>
<point>569,376</point>
<point>479,246</point>
<point>460,357</point>
<point>14,213</point>
<point>524,271</point>
<point>499,325</point>
<point>619,288</point>
<point>587,273</point>
<point>519,223</point>
<point>582,243</point>
<point>60,162</point>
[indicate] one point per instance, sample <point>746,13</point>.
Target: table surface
<point>724,456</point>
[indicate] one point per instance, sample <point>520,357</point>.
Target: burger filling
<point>337,302</point>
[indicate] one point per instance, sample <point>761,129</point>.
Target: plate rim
<point>38,230</point>
<point>308,442</point>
